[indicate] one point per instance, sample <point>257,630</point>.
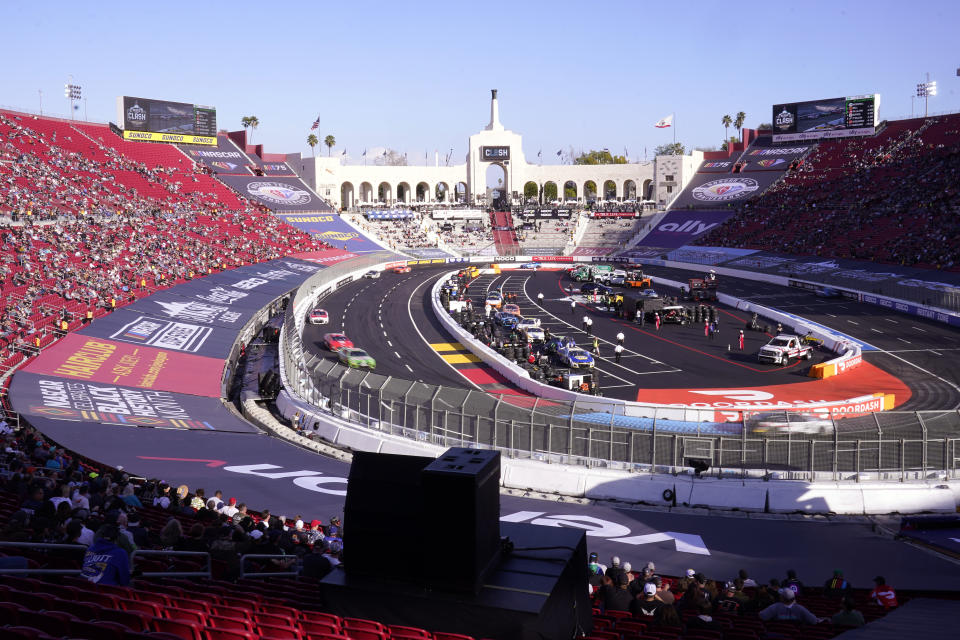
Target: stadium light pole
<point>926,90</point>
<point>72,92</point>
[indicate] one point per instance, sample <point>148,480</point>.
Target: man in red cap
<point>230,509</point>
<point>315,533</point>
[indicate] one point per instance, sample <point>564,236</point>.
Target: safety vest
<point>36,341</point>
<point>64,325</point>
<point>89,314</point>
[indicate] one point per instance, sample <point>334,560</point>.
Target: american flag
<point>316,124</point>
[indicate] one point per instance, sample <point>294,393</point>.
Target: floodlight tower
<point>926,90</point>
<point>72,92</point>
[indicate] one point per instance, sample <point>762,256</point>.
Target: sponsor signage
<point>494,154</point>
<point>78,401</point>
<point>844,364</point>
<point>708,191</point>
<point>175,138</point>
<point>171,326</point>
<point>716,166</point>
<point>342,282</point>
<point>91,359</point>
<point>678,228</point>
<point>330,228</point>
<point>612,214</point>
<point>277,193</point>
<point>552,258</point>
<point>725,189</point>
<point>912,309</point>
<point>224,159</point>
<point>165,121</point>
<point>828,118</point>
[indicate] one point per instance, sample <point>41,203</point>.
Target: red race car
<point>334,341</point>
<point>403,269</point>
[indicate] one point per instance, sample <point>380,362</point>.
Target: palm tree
<point>726,121</point>
<point>329,141</point>
<point>250,122</point>
<point>738,123</point>
<point>312,141</point>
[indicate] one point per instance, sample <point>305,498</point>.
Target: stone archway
<point>629,190</point>
<point>366,192</point>
<point>648,189</point>
<point>442,192</point>
<point>461,193</point>
<point>498,189</point>
<point>385,193</point>
<point>570,190</point>
<point>403,192</point>
<point>549,192</point>
<point>423,192</point>
<point>346,195</point>
<point>590,190</point>
<point>531,191</point>
<point>609,190</point>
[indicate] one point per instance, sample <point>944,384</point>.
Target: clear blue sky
<point>415,76</point>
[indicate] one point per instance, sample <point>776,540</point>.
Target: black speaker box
<point>461,493</point>
<point>383,511</point>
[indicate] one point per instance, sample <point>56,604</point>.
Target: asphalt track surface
<point>268,473</point>
<point>391,317</point>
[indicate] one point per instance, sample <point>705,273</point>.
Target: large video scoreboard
<point>164,121</point>
<point>830,118</point>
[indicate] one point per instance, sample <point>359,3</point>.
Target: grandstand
<point>888,198</point>
<point>96,223</point>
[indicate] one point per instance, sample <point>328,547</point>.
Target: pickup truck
<point>784,348</point>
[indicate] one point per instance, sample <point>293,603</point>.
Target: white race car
<point>319,316</point>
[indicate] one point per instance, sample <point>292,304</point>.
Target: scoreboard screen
<point>165,121</point>
<point>829,118</point>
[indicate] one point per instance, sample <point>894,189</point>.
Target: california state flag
<point>663,123</point>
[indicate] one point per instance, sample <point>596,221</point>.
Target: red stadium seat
<point>182,628</point>
<point>212,633</point>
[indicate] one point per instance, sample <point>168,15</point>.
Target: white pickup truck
<point>784,348</point>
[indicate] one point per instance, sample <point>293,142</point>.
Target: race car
<point>792,421</point>
<point>531,265</point>
<point>494,299</point>
<point>319,316</point>
<point>593,287</point>
<point>512,308</point>
<point>507,320</point>
<point>356,358</point>
<point>372,274</point>
<point>574,357</point>
<point>556,343</point>
<point>648,293</point>
<point>532,333</point>
<point>529,322</point>
<point>334,341</point>
<point>402,269</point>
<point>675,314</point>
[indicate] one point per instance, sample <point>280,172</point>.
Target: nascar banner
<point>224,159</point>
<point>771,158</point>
<point>272,167</point>
<point>714,192</point>
<point>277,193</point>
<point>76,401</point>
<point>679,228</point>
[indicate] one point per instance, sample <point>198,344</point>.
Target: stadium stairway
<point>506,241</point>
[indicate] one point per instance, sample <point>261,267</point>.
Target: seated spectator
<point>727,601</point>
<point>646,605</point>
<point>848,616</point>
<point>793,583</point>
<point>105,562</point>
<point>883,594</point>
<point>788,609</point>
<point>837,585</point>
<point>613,594</point>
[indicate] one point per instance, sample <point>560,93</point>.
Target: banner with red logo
<point>552,258</point>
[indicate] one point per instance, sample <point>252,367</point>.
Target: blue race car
<point>531,265</point>
<point>507,320</point>
<point>556,343</point>
<point>575,357</point>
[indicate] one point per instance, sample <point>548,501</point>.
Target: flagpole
<point>674,132</point>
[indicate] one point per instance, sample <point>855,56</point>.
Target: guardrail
<point>892,445</point>
<point>44,546</point>
<point>141,553</point>
<point>276,559</point>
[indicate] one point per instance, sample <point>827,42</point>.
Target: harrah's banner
<point>679,228</point>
